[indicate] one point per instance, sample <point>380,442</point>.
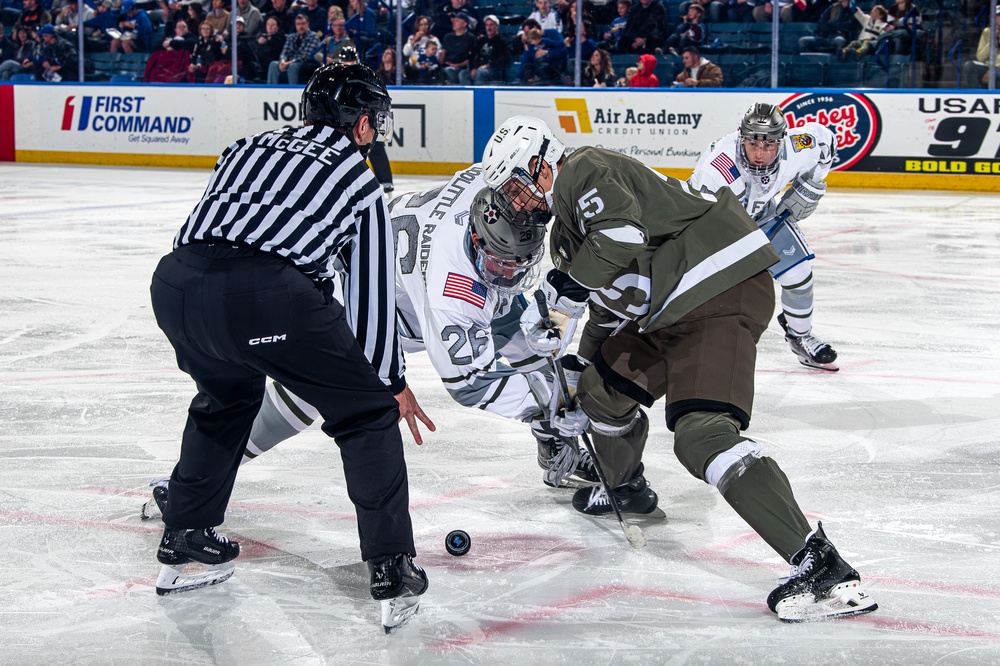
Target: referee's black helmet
<point>338,94</point>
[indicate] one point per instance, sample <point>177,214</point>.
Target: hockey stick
<point>633,534</point>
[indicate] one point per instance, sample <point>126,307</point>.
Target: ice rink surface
<point>898,454</point>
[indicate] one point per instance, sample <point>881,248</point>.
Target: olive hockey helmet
<point>506,244</point>
<point>338,94</point>
<point>766,124</point>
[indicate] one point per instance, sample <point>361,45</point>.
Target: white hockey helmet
<point>513,146</point>
<point>765,123</point>
<point>506,244</point>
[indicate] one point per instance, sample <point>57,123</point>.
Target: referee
<point>247,294</point>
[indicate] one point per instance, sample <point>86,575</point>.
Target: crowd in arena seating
<point>678,43</point>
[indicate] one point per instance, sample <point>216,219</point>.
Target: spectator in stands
<point>599,73</point>
<point>630,73</point>
<point>569,32</point>
<point>268,46</point>
<point>170,64</point>
<point>519,42</point>
<point>218,17</point>
<point>416,46</point>
<point>809,11</point>
<point>33,16</point>
<point>333,12</point>
<point>427,68</point>
<point>872,25</point>
<point>361,23</point>
<point>442,20</point>
<point>295,64</point>
<point>57,60</point>
<point>285,19</point>
<point>387,67</point>
<point>195,15</point>
<point>617,25</point>
<point>740,11</point>
<point>646,76</point>
<point>316,16</point>
<point>897,31</point>
<point>69,18</point>
<point>457,48</point>
<point>977,72</point>
<point>713,11</point>
<point>247,65</point>
<point>23,60</point>
<point>253,22</point>
<point>96,28</point>
<point>763,11</point>
<point>544,60</point>
<point>329,50</point>
<point>135,28</point>
<point>547,18</point>
<point>835,28</point>
<point>645,29</point>
<point>182,39</point>
<point>688,33</point>
<point>8,49</point>
<point>492,55</point>
<point>206,51</point>
<point>698,72</point>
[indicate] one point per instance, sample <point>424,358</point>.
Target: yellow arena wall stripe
<point>890,181</point>
<point>118,159</point>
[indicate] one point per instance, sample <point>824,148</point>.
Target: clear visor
<point>524,193</point>
<point>760,156</point>
<point>381,122</point>
<point>507,276</point>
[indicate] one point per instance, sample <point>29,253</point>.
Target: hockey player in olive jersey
<point>679,296</point>
<point>757,162</point>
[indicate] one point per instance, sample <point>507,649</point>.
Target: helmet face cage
<point>513,146</point>
<point>765,123</point>
<point>507,243</point>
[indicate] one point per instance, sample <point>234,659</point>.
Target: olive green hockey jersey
<point>647,247</point>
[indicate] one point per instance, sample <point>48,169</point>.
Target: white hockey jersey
<point>443,305</point>
<point>806,151</point>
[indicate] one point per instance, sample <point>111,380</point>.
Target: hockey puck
<point>458,543</point>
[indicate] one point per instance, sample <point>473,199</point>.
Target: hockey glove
<point>801,199</point>
<point>573,367</point>
<point>565,294</point>
<point>566,425</point>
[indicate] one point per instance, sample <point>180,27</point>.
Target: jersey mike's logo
<point>118,113</point>
<point>851,117</point>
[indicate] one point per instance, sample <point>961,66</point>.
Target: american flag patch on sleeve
<point>726,167</point>
<point>466,289</point>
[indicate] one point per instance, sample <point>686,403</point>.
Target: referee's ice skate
<point>812,352</point>
<point>209,555</point>
<point>821,585</point>
<point>397,583</point>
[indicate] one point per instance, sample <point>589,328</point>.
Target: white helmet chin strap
<point>548,195</point>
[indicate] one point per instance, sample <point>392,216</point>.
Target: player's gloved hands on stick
<point>566,424</point>
<point>566,300</point>
<point>565,294</point>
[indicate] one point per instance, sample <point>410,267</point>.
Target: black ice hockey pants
<point>236,316</point>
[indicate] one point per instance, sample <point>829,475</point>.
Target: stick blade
<point>635,537</point>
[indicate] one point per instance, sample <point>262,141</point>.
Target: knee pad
<point>709,445</point>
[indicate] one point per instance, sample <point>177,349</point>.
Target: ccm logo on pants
<point>267,339</point>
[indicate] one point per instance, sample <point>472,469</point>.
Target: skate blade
<point>843,600</point>
<point>397,612</point>
<point>829,367</point>
<point>173,580</point>
<point>571,482</point>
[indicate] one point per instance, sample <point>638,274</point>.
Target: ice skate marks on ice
<point>173,579</point>
<point>397,612</point>
<point>842,600</point>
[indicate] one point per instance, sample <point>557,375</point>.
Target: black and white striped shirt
<point>307,195</point>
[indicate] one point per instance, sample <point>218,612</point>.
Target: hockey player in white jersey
<point>757,162</point>
<point>462,264</point>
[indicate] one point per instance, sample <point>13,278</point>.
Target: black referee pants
<point>236,316</point>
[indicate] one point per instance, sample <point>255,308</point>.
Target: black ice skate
<point>179,548</point>
<point>158,503</point>
<point>812,352</point>
<point>822,585</point>
<point>397,583</point>
<point>566,465</point>
<point>633,497</point>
